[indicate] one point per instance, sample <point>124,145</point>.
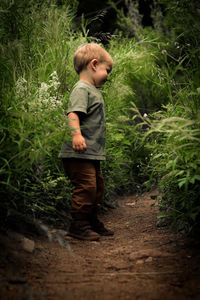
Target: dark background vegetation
<point>152,103</point>
<point>108,20</point>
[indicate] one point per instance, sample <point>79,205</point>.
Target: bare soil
<point>141,261</point>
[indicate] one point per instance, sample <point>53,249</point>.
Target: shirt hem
<point>71,155</point>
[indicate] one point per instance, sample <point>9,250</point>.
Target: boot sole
<point>106,233</point>
<point>85,238</point>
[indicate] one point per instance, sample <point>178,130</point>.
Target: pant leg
<point>82,174</point>
<point>99,184</point>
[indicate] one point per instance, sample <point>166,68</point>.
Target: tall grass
<point>172,136</point>
<point>175,160</point>
<point>33,113</point>
<point>164,103</point>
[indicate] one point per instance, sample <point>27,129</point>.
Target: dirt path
<point>141,261</point>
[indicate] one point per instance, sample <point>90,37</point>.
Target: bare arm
<point>79,144</point>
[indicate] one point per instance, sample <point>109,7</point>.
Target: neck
<point>84,76</point>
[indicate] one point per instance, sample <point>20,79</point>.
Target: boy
<point>81,157</point>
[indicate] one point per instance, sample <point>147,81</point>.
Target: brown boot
<point>82,231</point>
<point>99,227</point>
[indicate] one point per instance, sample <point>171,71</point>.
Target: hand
<point>79,144</point>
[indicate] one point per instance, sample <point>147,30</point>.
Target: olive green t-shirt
<point>87,101</point>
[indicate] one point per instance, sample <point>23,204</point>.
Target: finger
<point>80,148</point>
<point>83,147</point>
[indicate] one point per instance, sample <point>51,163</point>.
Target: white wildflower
<point>43,89</point>
<point>176,44</point>
<point>145,115</point>
<point>54,82</point>
<point>21,87</point>
<point>47,97</point>
<point>164,51</point>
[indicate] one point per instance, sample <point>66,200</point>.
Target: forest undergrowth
<point>152,108</point>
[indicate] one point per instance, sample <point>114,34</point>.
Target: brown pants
<point>86,176</point>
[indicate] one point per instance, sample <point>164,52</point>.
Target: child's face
<point>101,73</point>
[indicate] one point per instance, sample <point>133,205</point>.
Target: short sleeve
<point>78,100</point>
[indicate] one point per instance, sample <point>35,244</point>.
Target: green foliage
<point>181,19</point>
<point>126,155</point>
<point>33,122</point>
<point>147,81</point>
<point>130,23</point>
<point>174,140</point>
<point>179,22</point>
<point>163,95</point>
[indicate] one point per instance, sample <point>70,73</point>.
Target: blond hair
<point>86,52</point>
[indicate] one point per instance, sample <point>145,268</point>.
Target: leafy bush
<point>33,108</point>
<point>163,80</point>
<point>136,81</point>
<point>173,139</point>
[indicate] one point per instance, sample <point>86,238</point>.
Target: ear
<point>93,64</point>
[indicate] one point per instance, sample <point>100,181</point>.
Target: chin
<point>99,86</point>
